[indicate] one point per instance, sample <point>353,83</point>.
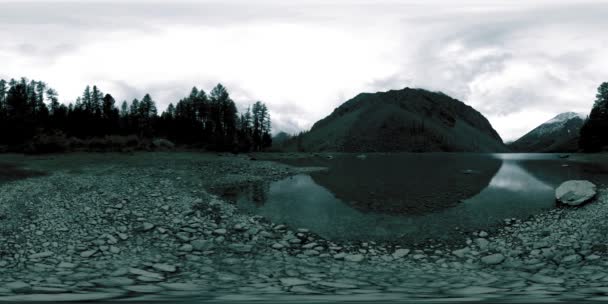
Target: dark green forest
<point>33,120</point>
<point>594,133</point>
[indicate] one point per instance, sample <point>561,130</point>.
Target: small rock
<point>221,231</point>
<point>41,255</point>
<point>88,253</point>
<point>146,226</point>
<point>493,259</point>
<point>66,265</point>
<point>571,259</point>
<point>18,287</point>
<point>340,256</point>
<point>399,253</point>
<point>114,249</point>
<point>354,258</point>
<point>336,285</point>
<point>474,290</point>
<point>144,273</point>
<point>288,282</point>
<point>543,279</point>
<point>186,248</point>
<point>240,248</point>
<point>113,282</point>
<point>592,257</point>
<point>202,245</point>
<point>461,252</point>
<point>180,286</point>
<point>482,243</point>
<point>164,267</point>
<point>144,288</point>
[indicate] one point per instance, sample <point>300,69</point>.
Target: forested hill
<point>413,120</point>
<point>33,120</point>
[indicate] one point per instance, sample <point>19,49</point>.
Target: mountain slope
<point>412,120</point>
<point>559,134</point>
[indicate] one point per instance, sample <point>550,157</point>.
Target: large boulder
<point>575,192</point>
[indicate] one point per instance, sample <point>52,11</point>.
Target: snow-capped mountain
<point>559,134</point>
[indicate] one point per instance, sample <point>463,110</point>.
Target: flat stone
<point>339,256</point>
<point>303,290</point>
<point>575,192</point>
<point>149,279</point>
<point>41,255</point>
<point>47,290</point>
<point>543,279</point>
<point>62,297</point>
<point>164,267</point>
<point>66,265</point>
<point>144,288</point>
<point>473,290</point>
<point>354,258</point>
<point>18,287</point>
<point>113,282</point>
<point>186,248</point>
<point>482,243</point>
<point>180,286</point>
<point>240,248</point>
<point>540,244</point>
<point>493,259</point>
<point>202,245</point>
<point>400,253</point>
<point>88,253</point>
<point>144,273</point>
<point>571,259</point>
<point>336,285</point>
<point>592,257</point>
<point>288,282</point>
<point>221,231</point>
<point>461,252</point>
<point>145,226</point>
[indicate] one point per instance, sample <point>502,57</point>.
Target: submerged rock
<point>575,192</point>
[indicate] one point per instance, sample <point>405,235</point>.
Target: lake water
<point>411,198</point>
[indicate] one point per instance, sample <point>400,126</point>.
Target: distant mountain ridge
<point>559,134</point>
<point>411,120</point>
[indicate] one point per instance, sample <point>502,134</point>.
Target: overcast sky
<point>518,62</point>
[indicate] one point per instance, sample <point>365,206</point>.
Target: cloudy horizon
<point>519,63</point>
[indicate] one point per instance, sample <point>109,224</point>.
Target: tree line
<point>30,109</point>
<point>594,132</point>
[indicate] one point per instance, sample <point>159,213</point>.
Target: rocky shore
<point>144,227</point>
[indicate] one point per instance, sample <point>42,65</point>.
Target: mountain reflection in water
<point>513,192</point>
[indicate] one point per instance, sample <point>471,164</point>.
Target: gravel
<point>93,244</point>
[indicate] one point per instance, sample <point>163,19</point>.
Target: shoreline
<point>93,238</point>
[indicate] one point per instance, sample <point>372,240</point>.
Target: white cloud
<point>517,62</point>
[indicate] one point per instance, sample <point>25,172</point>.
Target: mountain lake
<point>413,198</point>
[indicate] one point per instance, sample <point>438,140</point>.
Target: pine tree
<point>594,132</point>
<point>19,115</point>
<point>3,91</point>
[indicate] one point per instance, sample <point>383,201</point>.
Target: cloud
<point>514,61</point>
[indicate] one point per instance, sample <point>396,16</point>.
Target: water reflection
<point>300,201</point>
